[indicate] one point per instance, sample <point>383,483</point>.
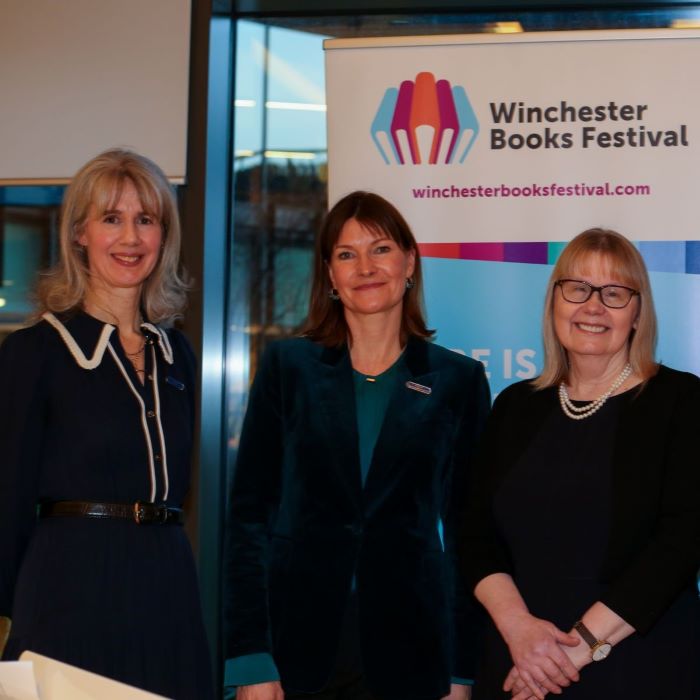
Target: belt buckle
<point>139,513</point>
<point>157,514</point>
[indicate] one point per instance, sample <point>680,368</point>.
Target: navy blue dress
<point>110,596</point>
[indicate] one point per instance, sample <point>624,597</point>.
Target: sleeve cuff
<point>461,681</point>
<point>250,669</point>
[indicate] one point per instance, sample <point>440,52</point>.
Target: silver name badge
<point>420,388</point>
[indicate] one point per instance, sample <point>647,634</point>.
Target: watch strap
<point>586,634</point>
<point>600,648</point>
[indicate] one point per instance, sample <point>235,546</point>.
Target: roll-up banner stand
<point>498,150</point>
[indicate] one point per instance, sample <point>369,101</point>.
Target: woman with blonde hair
<point>584,527</point>
<point>96,427</point>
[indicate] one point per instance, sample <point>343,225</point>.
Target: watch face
<point>601,651</point>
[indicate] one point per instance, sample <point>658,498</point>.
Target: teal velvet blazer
<point>302,527</point>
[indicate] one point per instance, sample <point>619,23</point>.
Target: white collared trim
<point>163,341</point>
<point>144,421</point>
<point>74,348</point>
<point>161,436</point>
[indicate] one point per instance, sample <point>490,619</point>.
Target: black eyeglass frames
<point>614,296</point>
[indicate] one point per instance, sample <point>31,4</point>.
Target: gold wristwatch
<point>600,648</point>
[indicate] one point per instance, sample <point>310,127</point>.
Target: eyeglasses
<point>614,296</point>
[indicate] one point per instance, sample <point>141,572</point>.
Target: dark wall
<point>192,206</point>
<point>369,6</point>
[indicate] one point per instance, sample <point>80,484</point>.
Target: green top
<point>372,395</point>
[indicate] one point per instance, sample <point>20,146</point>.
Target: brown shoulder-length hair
<point>98,186</point>
<point>624,263</point>
<point>326,320</point>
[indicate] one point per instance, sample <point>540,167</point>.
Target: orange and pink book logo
<point>425,121</point>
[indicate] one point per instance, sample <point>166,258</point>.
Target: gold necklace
<point>138,352</point>
<point>137,363</point>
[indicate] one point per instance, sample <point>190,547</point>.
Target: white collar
<point>103,341</point>
<point>163,341</point>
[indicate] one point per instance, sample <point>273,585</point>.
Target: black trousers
<point>348,689</point>
<point>347,682</point>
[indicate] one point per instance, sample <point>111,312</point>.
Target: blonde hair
<point>626,265</point>
<point>99,185</point>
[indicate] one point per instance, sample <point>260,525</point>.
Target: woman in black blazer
<point>348,486</point>
<point>585,527</point>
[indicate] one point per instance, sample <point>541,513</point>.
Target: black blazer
<point>654,546</point>
<point>302,526</point>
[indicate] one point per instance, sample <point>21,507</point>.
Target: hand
<point>537,649</point>
<point>520,690</point>
<point>579,655</point>
<point>272,690</point>
<point>459,692</point>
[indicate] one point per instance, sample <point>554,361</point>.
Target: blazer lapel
<point>337,407</point>
<point>413,395</point>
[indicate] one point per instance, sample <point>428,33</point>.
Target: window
<point>28,243</point>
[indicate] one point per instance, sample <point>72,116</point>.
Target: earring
<point>410,283</point>
<point>333,294</point>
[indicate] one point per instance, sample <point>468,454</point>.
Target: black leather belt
<point>141,513</point>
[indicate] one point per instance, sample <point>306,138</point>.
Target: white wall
<point>80,76</point>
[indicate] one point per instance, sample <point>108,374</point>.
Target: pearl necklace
<point>581,412</point>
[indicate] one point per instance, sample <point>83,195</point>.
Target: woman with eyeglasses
<point>583,537</point>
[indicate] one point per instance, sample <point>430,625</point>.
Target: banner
<point>500,149</point>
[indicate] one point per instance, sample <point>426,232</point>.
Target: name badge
<point>174,382</point>
<point>420,388</point>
